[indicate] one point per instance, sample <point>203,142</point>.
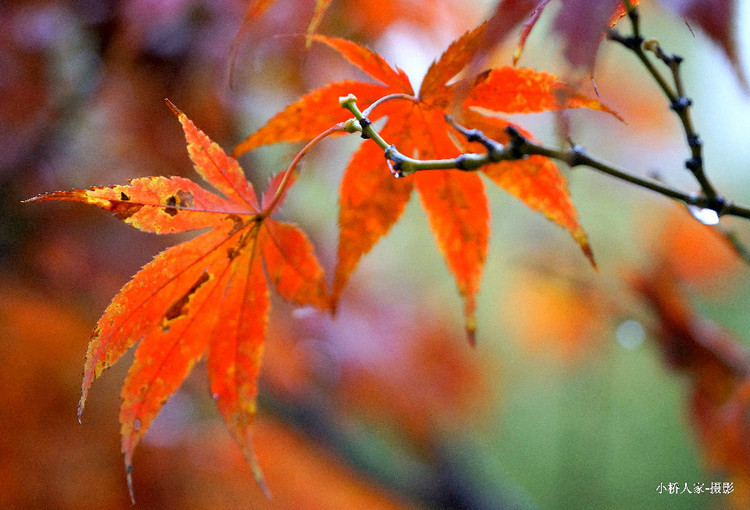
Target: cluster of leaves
<point>209,296</point>
<point>714,361</point>
<point>45,333</point>
<point>581,24</point>
<point>371,201</point>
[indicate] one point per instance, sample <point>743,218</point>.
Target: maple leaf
<point>717,367</point>
<point>717,19</point>
<point>371,200</point>
<point>582,25</point>
<point>209,294</point>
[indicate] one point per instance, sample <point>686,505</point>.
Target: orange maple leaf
<point>717,367</point>
<point>209,294</point>
<point>371,200</point>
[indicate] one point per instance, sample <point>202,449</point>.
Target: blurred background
<point>587,389</point>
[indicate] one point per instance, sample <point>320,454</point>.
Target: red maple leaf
<point>371,200</point>
<point>717,368</point>
<point>207,295</point>
<point>582,25</point>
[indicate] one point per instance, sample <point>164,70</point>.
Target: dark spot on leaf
<point>235,250</point>
<point>180,200</point>
<point>238,224</point>
<point>247,235</point>
<point>123,196</point>
<point>124,210</point>
<point>481,77</point>
<point>184,199</point>
<point>171,203</point>
<point>180,307</point>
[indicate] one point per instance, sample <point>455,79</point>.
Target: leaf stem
<point>268,210</point>
<point>389,97</point>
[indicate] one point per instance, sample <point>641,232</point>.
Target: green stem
<point>363,124</point>
<point>400,164</point>
<point>389,97</point>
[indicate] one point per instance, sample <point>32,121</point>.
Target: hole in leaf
<point>180,307</point>
<point>171,203</point>
<point>180,200</point>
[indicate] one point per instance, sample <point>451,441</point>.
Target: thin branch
<point>519,148</point>
<point>707,206</point>
<point>679,102</point>
<point>402,165</point>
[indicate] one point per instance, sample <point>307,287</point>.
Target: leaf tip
<point>129,477</point>
<point>471,330</point>
<point>76,195</point>
<point>82,402</point>
<point>252,461</point>
<point>590,256</point>
<point>333,305</point>
<point>335,296</point>
<point>172,107</point>
<point>471,337</point>
<point>586,249</point>
<point>260,480</point>
<point>517,55</point>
